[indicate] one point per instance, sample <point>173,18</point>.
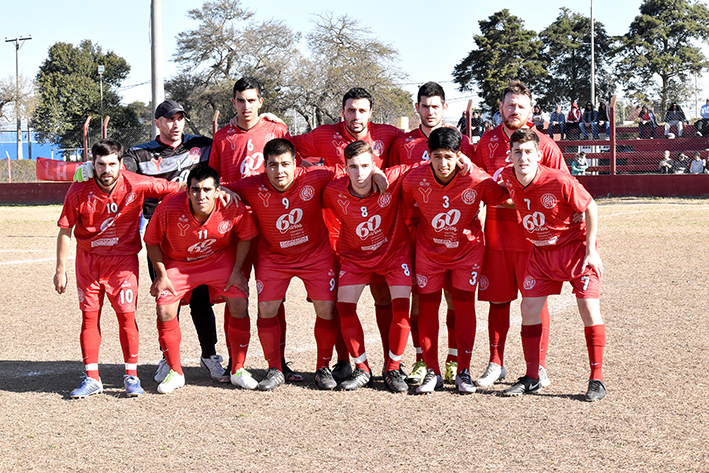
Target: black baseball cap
<point>168,108</point>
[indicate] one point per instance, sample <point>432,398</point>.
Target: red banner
<point>53,170</point>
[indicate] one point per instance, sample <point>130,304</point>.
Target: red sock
<point>130,341</point>
<point>281,315</point>
<point>90,341</point>
<point>498,324</point>
<point>170,336</point>
<point>465,325</point>
<point>351,329</point>
<point>531,341</point>
<point>227,316</point>
<point>238,333</point>
<point>452,341</point>
<point>269,334</point>
<point>384,317</point>
<point>415,337</point>
<point>428,328</point>
<point>398,333</point>
<point>545,336</point>
<point>596,342</point>
<point>343,353</point>
<point>325,335</point>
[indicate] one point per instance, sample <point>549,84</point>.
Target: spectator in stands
<point>476,123</point>
<point>538,118</point>
<point>588,118</point>
<point>602,120</point>
<point>681,164</point>
<point>674,117</point>
<point>573,119</point>
<point>667,163</point>
<point>697,166</point>
<point>463,124</point>
<point>702,124</point>
<point>496,119</point>
<point>487,126</point>
<point>646,121</point>
<point>579,165</point>
<point>556,123</point>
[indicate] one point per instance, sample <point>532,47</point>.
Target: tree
<point>658,54</point>
<point>68,89</point>
<point>505,51</point>
<point>8,94</point>
<point>567,50</point>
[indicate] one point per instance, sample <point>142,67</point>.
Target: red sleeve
<point>576,195</point>
<point>155,232</point>
<point>159,187</point>
<point>70,210</point>
<point>493,193</point>
<point>305,145</point>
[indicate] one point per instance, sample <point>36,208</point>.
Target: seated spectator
<point>667,164</point>
<point>646,121</point>
<point>476,123</point>
<point>573,119</point>
<point>463,124</point>
<point>588,118</point>
<point>681,164</point>
<point>497,119</point>
<point>674,117</point>
<point>602,121</point>
<point>702,124</point>
<point>538,118</point>
<point>556,123</point>
<point>579,165</point>
<point>697,166</point>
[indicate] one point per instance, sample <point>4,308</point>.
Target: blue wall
<point>8,142</point>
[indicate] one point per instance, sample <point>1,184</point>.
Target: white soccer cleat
<point>493,374</point>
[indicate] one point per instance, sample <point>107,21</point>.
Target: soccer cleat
<point>341,371</point>
<point>596,390</point>
<point>493,374</point>
<point>524,385</point>
<point>162,371</point>
<point>358,379</point>
<point>87,387</point>
<point>290,375</point>
<point>243,379</point>
<point>451,371</point>
<point>132,385</point>
<point>464,383</point>
<point>418,372</point>
<point>431,382</point>
<point>325,380</point>
<point>172,381</point>
<point>395,381</point>
<point>273,379</point>
<point>213,364</point>
<point>543,377</point>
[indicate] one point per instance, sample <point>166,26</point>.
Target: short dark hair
<point>201,173</point>
<point>105,147</point>
<point>431,89</point>
<point>515,87</point>
<point>356,148</point>
<point>246,83</point>
<point>444,138</point>
<point>357,93</point>
<point>524,135</point>
<point>278,147</point>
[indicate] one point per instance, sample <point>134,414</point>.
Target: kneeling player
<point>546,200</point>
<point>194,240</point>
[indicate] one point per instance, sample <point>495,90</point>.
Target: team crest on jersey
<point>494,138</point>
<point>529,282</point>
<point>157,162</point>
<point>225,226</point>
<point>549,201</point>
<point>307,193</point>
<point>384,200</point>
<point>195,154</point>
<point>344,204</point>
<point>91,200</point>
<point>378,148</point>
<point>469,196</point>
<point>421,280</point>
<point>259,286</point>
<point>338,142</point>
<point>484,283</point>
<point>80,293</point>
<point>264,196</point>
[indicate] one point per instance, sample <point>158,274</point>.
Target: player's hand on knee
<point>161,285</point>
<point>238,280</point>
<point>593,261</point>
<point>84,172</point>
<point>60,282</point>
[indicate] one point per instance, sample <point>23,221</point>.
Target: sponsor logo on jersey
<point>91,201</point>
<point>425,192</point>
<point>549,201</point>
<point>368,227</point>
<point>421,280</point>
<point>338,142</point>
<point>252,165</point>
<point>498,176</point>
<point>296,242</point>
<point>156,163</point>
<point>195,154</point>
<point>492,147</point>
<point>529,282</point>
<point>104,242</point>
<point>182,227</point>
<point>446,220</point>
<point>224,226</point>
<point>289,221</point>
<point>378,148</point>
<point>264,197</point>
<point>107,223</point>
<point>202,246</point>
<point>307,193</point>
<point>344,204</point>
<point>342,273</point>
<point>484,283</point>
<point>131,197</point>
<point>384,200</point>
<point>80,293</point>
<point>259,286</point>
<point>469,196</point>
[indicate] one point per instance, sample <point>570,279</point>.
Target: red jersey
<point>412,148</point>
<point>238,153</point>
<point>290,222</point>
<point>182,238</point>
<point>503,229</point>
<point>449,228</point>
<point>546,206</point>
<point>108,224</point>
<point>371,227</point>
<point>329,141</point>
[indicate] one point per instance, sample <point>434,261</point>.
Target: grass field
<point>655,417</point>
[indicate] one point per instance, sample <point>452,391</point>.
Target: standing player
<point>105,210</point>
<point>373,241</point>
<point>449,240</point>
<point>506,249</point>
<point>546,200</point>
<point>193,240</point>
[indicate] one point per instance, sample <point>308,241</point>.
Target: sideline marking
<point>32,261</point>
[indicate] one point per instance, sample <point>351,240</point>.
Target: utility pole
<point>101,69</point>
<point>158,85</point>
<point>593,59</point>
<point>18,44</point>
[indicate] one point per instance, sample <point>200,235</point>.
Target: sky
<point>430,37</point>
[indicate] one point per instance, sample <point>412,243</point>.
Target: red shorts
<point>211,272</point>
<point>396,273</point>
<point>548,269</point>
<point>464,273</point>
<point>502,275</point>
<point>114,276</point>
<point>317,273</point>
